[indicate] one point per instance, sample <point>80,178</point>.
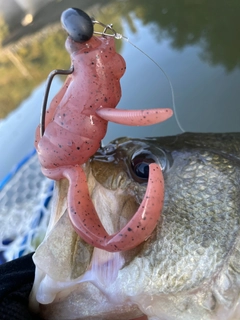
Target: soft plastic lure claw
<point>75,124</point>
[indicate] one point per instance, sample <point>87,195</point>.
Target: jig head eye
<point>78,24</point>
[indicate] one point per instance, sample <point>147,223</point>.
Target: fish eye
<point>78,24</point>
<point>140,165</point>
<point>141,159</point>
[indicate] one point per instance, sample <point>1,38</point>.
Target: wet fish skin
<point>189,268</point>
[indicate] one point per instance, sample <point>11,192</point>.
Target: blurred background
<point>196,42</point>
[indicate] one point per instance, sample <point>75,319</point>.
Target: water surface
<point>196,43</point>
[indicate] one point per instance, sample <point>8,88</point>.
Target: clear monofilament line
<point>119,36</point>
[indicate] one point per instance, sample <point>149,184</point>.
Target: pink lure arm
<point>135,117</point>
<point>87,224</point>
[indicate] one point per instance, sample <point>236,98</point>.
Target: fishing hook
<point>45,98</point>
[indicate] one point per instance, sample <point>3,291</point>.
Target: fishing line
<point>165,74</point>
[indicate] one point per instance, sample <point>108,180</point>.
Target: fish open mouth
<point>66,264</point>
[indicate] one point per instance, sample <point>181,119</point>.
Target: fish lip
<point>116,304</point>
<point>53,287</point>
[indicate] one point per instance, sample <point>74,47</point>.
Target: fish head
<point>187,269</point>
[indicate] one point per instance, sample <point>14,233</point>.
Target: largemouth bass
<point>189,268</point>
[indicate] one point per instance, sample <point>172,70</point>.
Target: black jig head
<point>78,24</point>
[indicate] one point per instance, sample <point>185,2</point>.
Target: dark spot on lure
<point>78,24</point>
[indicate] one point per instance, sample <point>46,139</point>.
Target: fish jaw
<point>68,269</point>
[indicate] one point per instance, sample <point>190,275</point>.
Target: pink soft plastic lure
<point>75,124</point>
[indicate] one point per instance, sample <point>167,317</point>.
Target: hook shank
<point>46,94</point>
